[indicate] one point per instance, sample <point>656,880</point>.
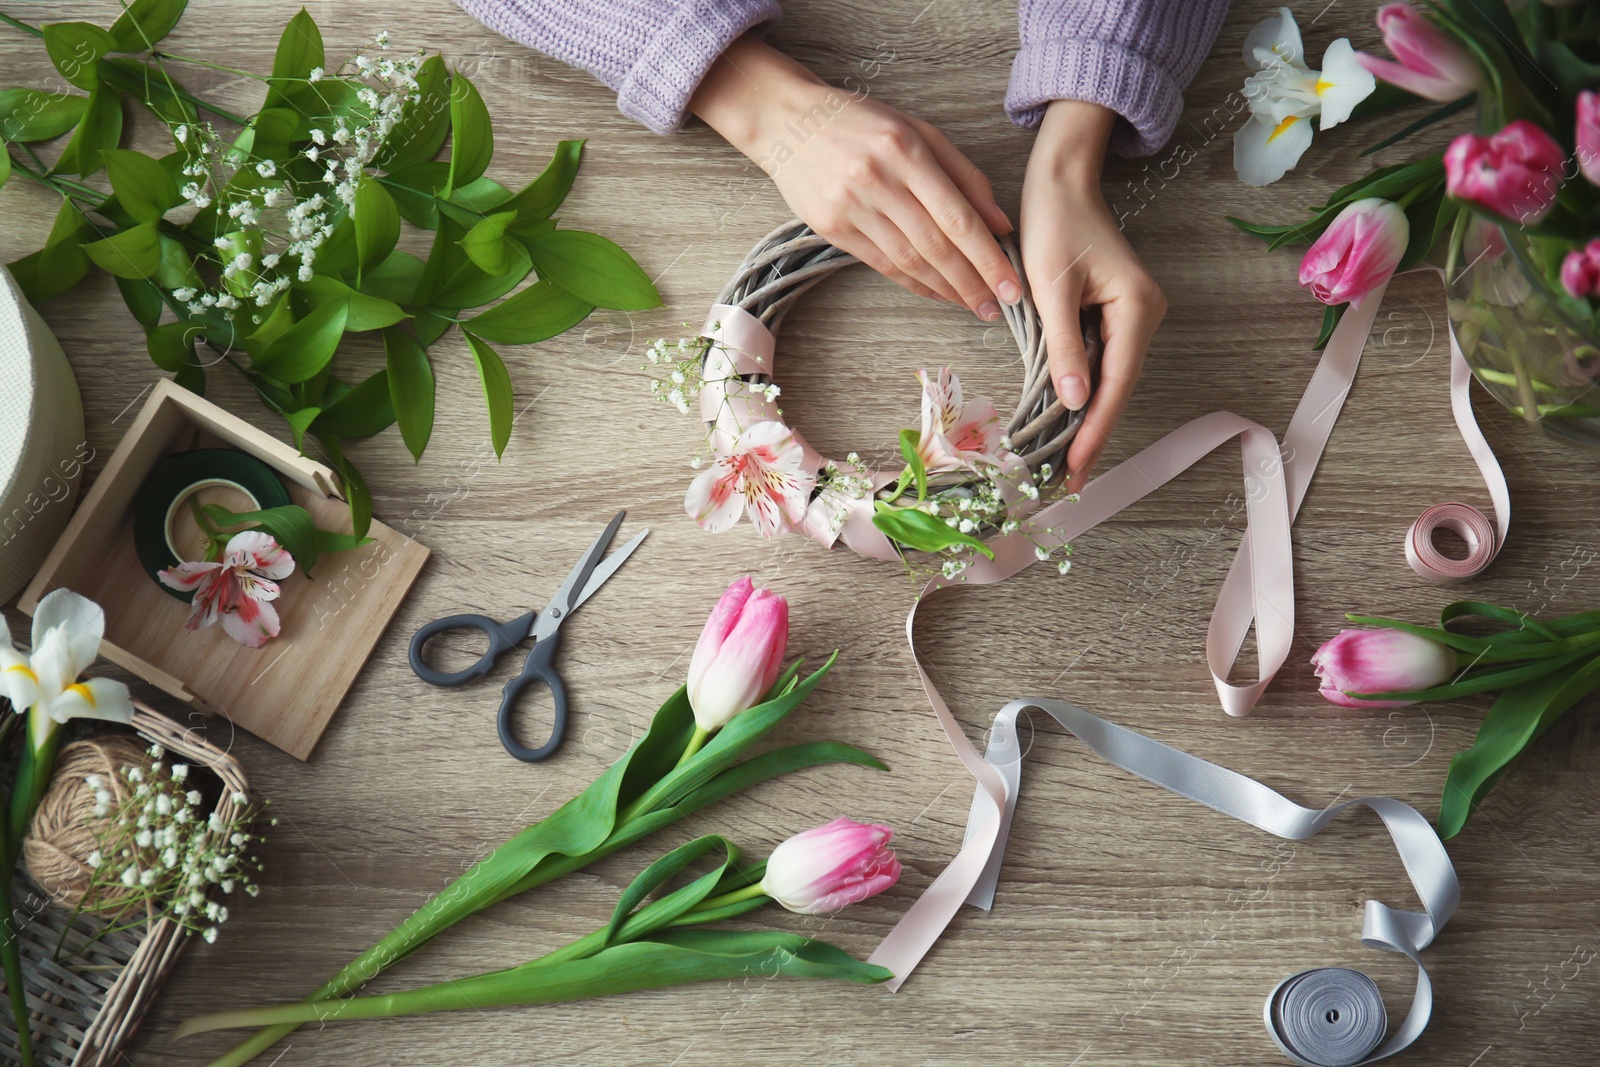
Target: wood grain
<point>1131,928</point>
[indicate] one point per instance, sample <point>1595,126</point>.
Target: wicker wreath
<point>736,389</point>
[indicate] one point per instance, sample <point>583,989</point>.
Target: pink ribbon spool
<point>1470,524</point>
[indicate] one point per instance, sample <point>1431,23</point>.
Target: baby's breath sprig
<point>160,854</point>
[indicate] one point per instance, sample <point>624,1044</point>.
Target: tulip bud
<point>1380,661</point>
<point>739,653</point>
<point>1580,271</point>
<point>822,870</point>
<point>1432,64</point>
<point>1587,136</point>
<point>1514,173</point>
<point>1357,253</point>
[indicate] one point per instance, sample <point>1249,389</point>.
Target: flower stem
<point>19,24</point>
<point>693,746</point>
<point>738,896</point>
<point>208,65</point>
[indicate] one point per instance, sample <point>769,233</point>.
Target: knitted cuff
<point>657,89</point>
<point>1145,95</point>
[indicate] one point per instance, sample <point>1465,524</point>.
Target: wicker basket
<point>85,1007</point>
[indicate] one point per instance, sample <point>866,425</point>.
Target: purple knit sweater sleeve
<point>1133,56</point>
<point>652,52</point>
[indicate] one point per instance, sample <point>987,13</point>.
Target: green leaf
<point>75,48</point>
<point>362,411</point>
<point>411,388</point>
<point>99,129</point>
<point>177,268</point>
<point>290,525</point>
<point>424,122</point>
<point>355,486</point>
<point>539,312</point>
<point>35,115</point>
<point>470,287</point>
<point>394,280</point>
<point>1518,716</point>
<point>145,22</point>
<point>306,347</point>
<point>299,52</point>
<point>143,300</point>
<point>1425,218</point>
<point>300,423</point>
<point>5,164</point>
<point>664,911</point>
<point>377,222</point>
<point>909,439</point>
<point>143,187</point>
<point>593,269</point>
<point>471,136</point>
<point>153,87</point>
<point>132,253</point>
<point>416,191</point>
<point>1437,115</point>
<point>366,312</point>
<point>172,345</point>
<point>922,532</point>
<point>61,263</point>
<point>546,192</point>
<point>496,390</point>
<point>431,325</point>
<point>486,243</point>
<point>444,260</point>
<point>1331,314</point>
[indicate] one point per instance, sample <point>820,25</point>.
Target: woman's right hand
<point>886,187</point>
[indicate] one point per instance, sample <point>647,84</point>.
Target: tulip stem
<point>693,746</point>
<point>738,896</point>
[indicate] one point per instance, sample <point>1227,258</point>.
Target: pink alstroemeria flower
<point>763,474</point>
<point>1514,173</point>
<point>1380,661</point>
<point>739,654</point>
<point>956,434</point>
<point>1358,253</point>
<point>821,870</point>
<point>1432,64</point>
<point>238,590</point>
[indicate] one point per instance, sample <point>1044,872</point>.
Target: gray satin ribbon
<point>1325,1017</point>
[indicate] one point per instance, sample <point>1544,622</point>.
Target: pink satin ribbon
<point>1259,587</point>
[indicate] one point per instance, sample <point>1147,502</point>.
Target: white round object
<point>42,445</point>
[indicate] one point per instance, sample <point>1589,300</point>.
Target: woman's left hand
<point>1075,256</point>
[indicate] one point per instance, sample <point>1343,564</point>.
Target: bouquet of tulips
<point>691,756</point>
<point>1539,668</point>
<point>1532,68</point>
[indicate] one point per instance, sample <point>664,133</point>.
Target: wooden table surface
<point>1131,927</point>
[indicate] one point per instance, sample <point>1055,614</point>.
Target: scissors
<point>544,626</point>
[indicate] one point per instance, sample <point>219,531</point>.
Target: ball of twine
<point>65,829</point>
<point>792,258</point>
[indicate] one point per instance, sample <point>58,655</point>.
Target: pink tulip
<point>1432,64</point>
<point>1380,661</point>
<point>739,653</point>
<point>822,870</point>
<point>1580,271</point>
<point>1514,173</point>
<point>1588,135</point>
<point>1357,253</point>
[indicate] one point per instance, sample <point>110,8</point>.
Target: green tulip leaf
<point>34,115</point>
<point>411,388</point>
<point>132,253</point>
<point>143,186</point>
<point>145,22</point>
<point>539,312</point>
<point>306,347</point>
<point>593,269</point>
<point>664,911</point>
<point>76,48</point>
<point>496,390</point>
<point>471,134</point>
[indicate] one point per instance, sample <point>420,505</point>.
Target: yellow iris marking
<point>1281,127</point>
<point>34,678</point>
<point>1323,86</point>
<point>83,691</point>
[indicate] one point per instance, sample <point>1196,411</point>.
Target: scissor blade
<point>607,569</point>
<point>577,579</point>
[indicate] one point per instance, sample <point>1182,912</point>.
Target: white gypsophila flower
<point>210,934</point>
<point>130,877</point>
<point>1064,566</point>
<point>94,859</point>
<point>193,797</point>
<point>316,75</point>
<point>305,273</point>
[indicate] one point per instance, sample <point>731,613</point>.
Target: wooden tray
<point>284,692</point>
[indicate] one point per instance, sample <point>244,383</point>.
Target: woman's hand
<point>1076,256</point>
<point>885,187</point>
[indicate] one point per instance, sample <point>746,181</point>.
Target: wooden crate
<point>85,1007</point>
<point>284,692</point>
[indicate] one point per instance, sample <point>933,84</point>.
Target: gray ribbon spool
<point>1327,1017</point>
